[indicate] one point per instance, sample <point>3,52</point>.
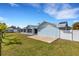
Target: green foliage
<point>3,27</point>
<point>76,26</point>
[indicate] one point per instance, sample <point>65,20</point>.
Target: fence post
<point>72,34</point>
<point>59,33</point>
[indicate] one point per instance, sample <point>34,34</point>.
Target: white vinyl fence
<point>69,35</point>
<point>76,35</point>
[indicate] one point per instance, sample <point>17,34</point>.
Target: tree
<point>3,27</point>
<point>76,26</point>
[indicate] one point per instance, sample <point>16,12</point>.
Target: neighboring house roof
<point>64,26</point>
<point>62,22</point>
<point>11,30</point>
<point>44,24</point>
<point>24,28</point>
<point>31,26</point>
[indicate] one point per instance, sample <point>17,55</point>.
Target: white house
<point>48,30</point>
<point>32,30</point>
<point>11,30</point>
<point>44,29</point>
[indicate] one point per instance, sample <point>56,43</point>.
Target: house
<point>24,29</point>
<point>44,29</point>
<point>64,27</point>
<point>18,29</point>
<point>48,30</point>
<point>32,30</point>
<point>11,30</point>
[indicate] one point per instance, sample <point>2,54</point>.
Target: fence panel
<point>76,35</point>
<point>72,35</point>
<point>66,35</point>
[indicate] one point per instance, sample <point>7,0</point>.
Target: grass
<point>31,47</point>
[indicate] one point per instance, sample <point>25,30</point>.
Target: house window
<point>29,31</point>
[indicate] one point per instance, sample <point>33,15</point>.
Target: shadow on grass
<point>10,43</point>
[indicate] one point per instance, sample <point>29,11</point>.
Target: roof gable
<point>44,24</point>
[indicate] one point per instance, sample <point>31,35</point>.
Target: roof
<point>44,24</point>
<point>63,25</point>
<point>47,23</point>
<point>31,26</point>
<point>62,22</point>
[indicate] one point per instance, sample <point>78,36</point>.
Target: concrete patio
<point>42,38</point>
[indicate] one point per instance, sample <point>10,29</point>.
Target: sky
<point>23,14</point>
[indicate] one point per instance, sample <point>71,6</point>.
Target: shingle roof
<point>31,26</point>
<point>44,24</point>
<point>47,23</point>
<point>62,22</point>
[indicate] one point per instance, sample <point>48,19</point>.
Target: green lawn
<point>31,47</point>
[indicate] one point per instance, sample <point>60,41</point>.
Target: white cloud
<point>61,11</point>
<point>66,14</point>
<point>2,19</point>
<point>37,5</point>
<point>13,4</point>
<point>65,6</point>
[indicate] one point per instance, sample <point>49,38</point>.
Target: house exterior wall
<point>30,30</point>
<point>49,31</point>
<point>11,30</point>
<point>30,33</point>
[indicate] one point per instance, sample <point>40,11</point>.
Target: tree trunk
<point>0,42</point>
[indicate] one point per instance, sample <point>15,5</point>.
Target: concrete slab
<point>41,38</point>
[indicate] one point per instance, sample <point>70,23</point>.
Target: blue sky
<point>32,13</point>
